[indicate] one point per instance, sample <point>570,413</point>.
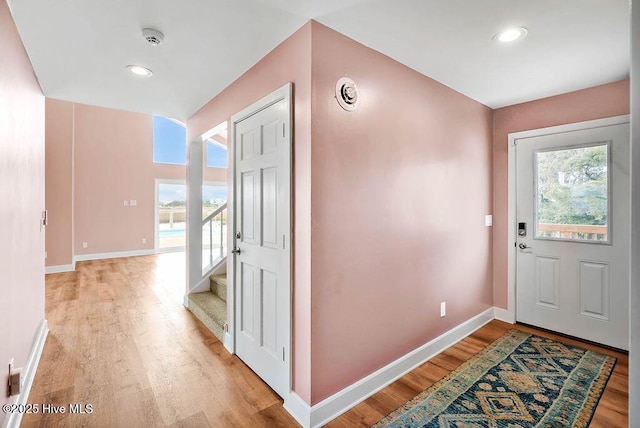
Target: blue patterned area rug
<point>518,381</point>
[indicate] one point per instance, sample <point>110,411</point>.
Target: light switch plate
<point>488,220</point>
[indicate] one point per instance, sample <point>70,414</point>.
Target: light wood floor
<point>121,340</point>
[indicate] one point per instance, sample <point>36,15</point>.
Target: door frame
<point>283,93</point>
<point>509,315</point>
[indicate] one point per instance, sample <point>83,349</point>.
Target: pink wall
<point>112,156</point>
<point>58,181</point>
<point>22,195</point>
<point>400,190</point>
<point>289,62</point>
<point>113,162</point>
<point>594,103</point>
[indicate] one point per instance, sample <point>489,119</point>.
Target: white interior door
<point>262,165</point>
<point>573,233</point>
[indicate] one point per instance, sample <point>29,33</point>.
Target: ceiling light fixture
<point>139,70</point>
<point>511,35</point>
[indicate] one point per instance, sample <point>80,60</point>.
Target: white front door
<point>262,165</point>
<point>573,233</point>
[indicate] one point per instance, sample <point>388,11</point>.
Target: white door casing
<point>574,286</point>
<point>260,308</point>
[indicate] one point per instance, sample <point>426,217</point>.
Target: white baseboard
<point>334,406</point>
<point>117,254</point>
<point>203,285</point>
<point>504,315</point>
<point>60,268</point>
<point>13,420</point>
<point>298,408</point>
<point>227,342</point>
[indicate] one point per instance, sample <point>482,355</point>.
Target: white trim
<point>511,215</point>
<point>13,420</point>
<point>338,403</point>
<point>227,340</point>
<point>203,285</point>
<point>221,127</point>
<point>114,255</point>
<point>285,93</point>
<point>503,315</point>
<point>60,268</point>
<point>298,408</point>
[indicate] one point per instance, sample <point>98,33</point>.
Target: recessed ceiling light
<point>139,70</point>
<point>511,35</point>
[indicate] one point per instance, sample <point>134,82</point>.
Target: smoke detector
<point>153,37</point>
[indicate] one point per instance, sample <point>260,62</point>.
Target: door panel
<point>547,270</point>
<point>270,207</point>
<point>573,262</point>
<point>594,290</point>
<point>261,172</point>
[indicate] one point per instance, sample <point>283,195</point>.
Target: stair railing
<point>212,251</point>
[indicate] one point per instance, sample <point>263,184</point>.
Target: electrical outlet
<point>133,202</point>
<point>126,203</point>
<point>144,240</point>
<point>488,220</point>
<point>45,254</point>
<point>85,245</point>
<point>14,382</point>
<point>443,309</point>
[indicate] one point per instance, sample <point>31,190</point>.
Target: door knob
<point>236,250</point>
<point>522,245</point>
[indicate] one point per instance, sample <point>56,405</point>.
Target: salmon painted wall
<point>593,103</point>
<point>22,195</point>
<point>112,158</point>
<point>400,190</point>
<point>59,181</point>
<point>289,62</point>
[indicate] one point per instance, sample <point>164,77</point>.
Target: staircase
<point>210,307</point>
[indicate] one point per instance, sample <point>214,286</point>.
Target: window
<point>169,141</point>
<point>216,155</point>
<point>572,195</point>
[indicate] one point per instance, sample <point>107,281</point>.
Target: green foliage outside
<point>572,186</point>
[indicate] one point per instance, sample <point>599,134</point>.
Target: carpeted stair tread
<point>218,285</point>
<point>211,310</point>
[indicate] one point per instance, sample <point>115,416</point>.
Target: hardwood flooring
<point>612,410</point>
<point>121,341</point>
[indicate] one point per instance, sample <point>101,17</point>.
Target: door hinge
<point>283,129</point>
<point>283,241</point>
<point>283,353</point>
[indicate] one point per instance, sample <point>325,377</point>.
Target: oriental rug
<point>518,381</point>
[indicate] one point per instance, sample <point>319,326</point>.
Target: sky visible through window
<point>169,141</point>
<point>216,155</point>
<point>170,146</point>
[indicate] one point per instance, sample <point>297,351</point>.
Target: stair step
<point>211,310</point>
<point>218,285</point>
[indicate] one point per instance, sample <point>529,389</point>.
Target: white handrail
<point>215,213</point>
<point>209,220</point>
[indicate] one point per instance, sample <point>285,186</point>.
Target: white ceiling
<point>79,48</point>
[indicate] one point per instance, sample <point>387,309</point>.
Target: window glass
<point>572,194</point>
<point>216,155</point>
<point>169,141</point>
